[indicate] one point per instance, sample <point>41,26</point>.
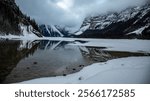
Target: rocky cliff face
<point>133,22</point>
<point>12,19</point>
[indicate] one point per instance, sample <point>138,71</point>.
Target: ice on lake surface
<point>28,59</point>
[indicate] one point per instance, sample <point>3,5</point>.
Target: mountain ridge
<point>133,22</point>
<point>54,31</point>
<point>50,31</point>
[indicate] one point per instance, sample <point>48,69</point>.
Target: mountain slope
<point>13,21</point>
<point>50,31</point>
<point>133,22</point>
<point>64,30</point>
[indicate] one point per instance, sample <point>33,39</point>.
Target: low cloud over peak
<point>71,13</point>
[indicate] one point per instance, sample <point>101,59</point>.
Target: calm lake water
<point>25,60</point>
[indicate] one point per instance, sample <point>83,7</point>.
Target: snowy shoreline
<point>129,70</point>
<point>122,70</point>
<point>128,45</point>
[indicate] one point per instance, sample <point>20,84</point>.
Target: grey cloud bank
<point>71,13</point>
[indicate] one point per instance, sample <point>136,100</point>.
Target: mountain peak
<point>118,24</point>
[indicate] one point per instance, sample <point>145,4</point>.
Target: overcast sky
<point>70,13</point>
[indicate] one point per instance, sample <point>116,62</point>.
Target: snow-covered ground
<point>20,37</point>
<point>125,70</point>
<point>122,70</point>
<point>27,34</point>
<point>129,45</point>
<point>133,45</point>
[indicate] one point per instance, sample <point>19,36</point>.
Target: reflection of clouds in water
<point>48,62</point>
<point>51,58</point>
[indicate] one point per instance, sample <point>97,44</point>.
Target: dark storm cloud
<point>71,12</point>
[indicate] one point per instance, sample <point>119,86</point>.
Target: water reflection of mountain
<point>24,60</point>
<point>47,44</point>
<point>50,58</point>
<point>11,52</point>
<point>95,54</point>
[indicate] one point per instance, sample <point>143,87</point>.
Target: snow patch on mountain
<point>27,32</point>
<point>50,31</point>
<point>84,28</point>
<point>131,20</point>
<point>53,28</point>
<point>138,31</point>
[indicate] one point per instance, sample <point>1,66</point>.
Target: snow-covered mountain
<point>14,22</point>
<point>51,31</point>
<point>133,22</point>
<point>64,30</point>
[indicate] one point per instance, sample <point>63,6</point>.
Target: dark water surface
<point>25,60</point>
